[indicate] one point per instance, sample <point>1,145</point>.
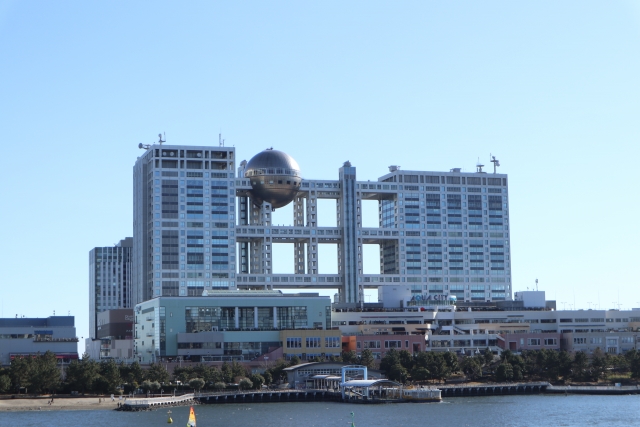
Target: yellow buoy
<point>169,421</point>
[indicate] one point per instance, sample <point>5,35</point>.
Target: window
<point>332,342</point>
<point>392,344</point>
<point>293,342</point>
<point>534,341</point>
<point>313,342</point>
<point>579,340</point>
<point>550,341</point>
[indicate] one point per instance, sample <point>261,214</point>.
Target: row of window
<point>314,342</point>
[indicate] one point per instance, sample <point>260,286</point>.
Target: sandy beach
<point>75,403</point>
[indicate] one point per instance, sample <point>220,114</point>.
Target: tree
<point>420,374</point>
<point>438,367</point>
<point>257,381</point>
<point>196,384</point>
<point>405,358</point>
<point>82,374</point>
<point>564,364</point>
<point>44,373</point>
<point>504,372</point>
<point>367,359</point>
<point>245,384</point>
<point>5,383</point>
<point>157,372</point>
<point>219,386</point>
<point>227,375</point>
<point>268,378</point>
<point>150,386</point>
<point>132,373</point>
<point>598,365</point>
<point>349,357</point>
<point>633,358</point>
<point>295,360</point>
<point>452,361</point>
<point>398,373</point>
<point>471,367</point>
<point>487,356</point>
<point>238,370</point>
<point>20,372</point>
<point>111,375</point>
<point>390,359</point>
<point>580,366</point>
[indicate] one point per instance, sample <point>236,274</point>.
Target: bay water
<point>503,411</point>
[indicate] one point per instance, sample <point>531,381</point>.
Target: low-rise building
<point>225,325</point>
<point>27,336</point>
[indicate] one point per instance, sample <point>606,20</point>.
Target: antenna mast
<point>160,140</point>
<point>496,163</point>
<point>220,140</point>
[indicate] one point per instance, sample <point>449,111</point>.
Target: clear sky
<point>551,88</point>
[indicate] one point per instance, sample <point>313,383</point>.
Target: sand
<point>76,403</point>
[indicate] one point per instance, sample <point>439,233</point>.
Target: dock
<point>143,404</point>
<point>493,389</point>
<point>572,389</point>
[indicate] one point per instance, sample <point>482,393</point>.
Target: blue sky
<point>550,88</point>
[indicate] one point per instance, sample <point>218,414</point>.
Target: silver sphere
<point>275,178</point>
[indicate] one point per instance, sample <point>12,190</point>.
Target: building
<point>227,325</point>
<point>183,221</point>
<point>323,374</point>
<point>115,336</point>
<point>506,325</point>
<point>197,227</point>
<point>110,284</point>
<point>26,336</point>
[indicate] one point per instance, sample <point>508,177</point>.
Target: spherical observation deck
<point>275,178</point>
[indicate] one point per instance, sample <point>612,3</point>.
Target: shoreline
<point>59,404</point>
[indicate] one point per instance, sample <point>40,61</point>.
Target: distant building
<point>109,280</point>
<point>115,336</point>
<point>27,336</point>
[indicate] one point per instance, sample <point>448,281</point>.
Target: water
<point>503,411</point>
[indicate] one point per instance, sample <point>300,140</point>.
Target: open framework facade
<point>196,229</point>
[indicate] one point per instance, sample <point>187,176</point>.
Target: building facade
<point>197,227</point>
<point>183,221</point>
<point>224,325</point>
<point>110,285</point>
<point>30,336</point>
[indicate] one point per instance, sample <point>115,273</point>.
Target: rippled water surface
<point>541,410</point>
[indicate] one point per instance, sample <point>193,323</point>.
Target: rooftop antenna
<point>144,146</point>
<point>496,163</point>
<point>536,284</point>
<point>479,166</point>
<point>220,140</point>
<point>160,140</point>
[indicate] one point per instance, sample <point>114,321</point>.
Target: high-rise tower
<point>110,284</point>
<point>183,220</point>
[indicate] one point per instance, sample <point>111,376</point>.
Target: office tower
<point>110,284</point>
<point>443,233</point>
<point>183,221</point>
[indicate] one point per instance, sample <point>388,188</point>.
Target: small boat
<point>192,418</point>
